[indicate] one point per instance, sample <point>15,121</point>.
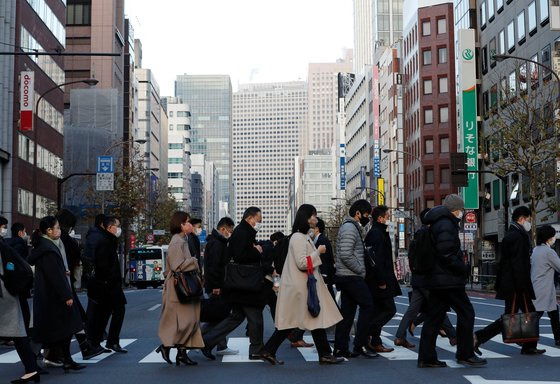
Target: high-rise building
<point>204,182</point>
<point>317,180</point>
<point>210,100</point>
<point>268,121</point>
<point>363,34</point>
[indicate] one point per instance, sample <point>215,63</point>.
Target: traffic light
<point>459,174</point>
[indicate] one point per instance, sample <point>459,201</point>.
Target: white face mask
<point>311,233</point>
<point>198,231</point>
<point>72,233</point>
<point>3,232</point>
<point>119,232</point>
<point>460,215</point>
<point>527,226</point>
<point>551,242</point>
<point>258,226</point>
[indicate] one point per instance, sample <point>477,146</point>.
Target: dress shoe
<point>301,344</point>
<point>227,351</point>
<point>345,354</point>
<point>54,363</point>
<point>182,357</point>
<point>473,361</point>
<point>42,371</point>
<point>432,364</point>
<point>379,348</point>
<point>404,343</point>
<point>34,377</point>
<point>330,359</point>
<point>72,365</point>
<point>164,353</point>
<point>267,356</point>
<point>255,357</point>
<point>476,345</point>
<point>116,348</point>
<point>532,351</point>
<point>363,351</point>
<point>208,354</point>
<point>89,352</point>
<point>453,341</point>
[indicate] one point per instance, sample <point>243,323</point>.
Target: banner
<point>26,99</point>
<point>380,191</point>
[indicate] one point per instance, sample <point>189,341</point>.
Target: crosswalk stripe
<point>550,350</point>
<point>9,357</point>
<point>309,354</point>
<point>77,357</point>
<point>242,345</point>
<point>154,307</point>
<point>155,357</point>
<point>444,344</point>
<point>400,353</point>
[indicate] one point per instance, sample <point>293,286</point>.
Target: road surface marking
<point>154,307</point>
<point>242,345</point>
<point>480,380</point>
<point>78,356</point>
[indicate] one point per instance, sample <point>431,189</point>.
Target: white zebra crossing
<point>77,357</point>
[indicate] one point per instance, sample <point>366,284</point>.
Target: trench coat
<point>179,324</point>
<point>11,318</point>
<point>544,261</point>
<point>291,307</point>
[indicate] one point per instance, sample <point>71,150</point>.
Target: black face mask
<point>364,221</point>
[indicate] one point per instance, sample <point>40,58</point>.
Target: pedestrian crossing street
<point>310,354</point>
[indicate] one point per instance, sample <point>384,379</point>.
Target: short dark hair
<point>16,227</point>
<point>251,212</point>
<point>522,211</point>
<point>379,211</point>
<point>66,219</point>
<point>194,221</point>
<point>109,220</point>
<point>304,212</point>
<point>321,225</point>
<point>44,225</point>
<point>544,233</point>
<point>3,221</point>
<point>99,219</point>
<point>423,214</point>
<point>276,236</point>
<point>361,206</point>
<point>177,219</point>
<point>225,222</point>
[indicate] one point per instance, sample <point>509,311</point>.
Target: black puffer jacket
<point>449,270</point>
<point>383,273</point>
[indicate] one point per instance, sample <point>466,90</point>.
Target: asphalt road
<point>142,365</point>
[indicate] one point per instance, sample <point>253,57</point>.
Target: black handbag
<point>520,327</point>
<point>188,285</point>
<point>214,309</point>
<point>313,304</point>
<point>244,277</point>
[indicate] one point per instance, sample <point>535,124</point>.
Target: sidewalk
<point>478,289</point>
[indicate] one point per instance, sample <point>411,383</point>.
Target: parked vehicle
<point>147,265</point>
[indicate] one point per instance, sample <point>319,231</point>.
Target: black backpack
<point>279,253</point>
<point>18,275</point>
<point>422,252</point>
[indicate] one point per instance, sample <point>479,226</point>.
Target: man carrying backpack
<point>446,283</point>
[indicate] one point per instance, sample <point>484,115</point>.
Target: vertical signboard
<point>376,159</point>
<point>467,74</point>
<point>26,100</point>
<point>342,170</point>
<point>380,191</point>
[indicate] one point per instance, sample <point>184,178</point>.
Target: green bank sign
<point>469,132</point>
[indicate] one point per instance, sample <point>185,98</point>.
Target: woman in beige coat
<point>291,307</point>
<point>179,325</point>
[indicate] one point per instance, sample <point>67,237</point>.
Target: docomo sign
<point>26,97</point>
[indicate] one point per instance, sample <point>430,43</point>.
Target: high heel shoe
<point>164,353</point>
<point>35,377</point>
<point>182,357</point>
<point>72,365</point>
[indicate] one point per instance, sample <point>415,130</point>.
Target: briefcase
<point>520,327</point>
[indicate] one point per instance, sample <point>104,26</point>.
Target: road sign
<point>149,238</point>
<point>105,164</point>
<point>471,226</point>
<point>159,232</point>
<point>470,217</point>
<point>105,181</point>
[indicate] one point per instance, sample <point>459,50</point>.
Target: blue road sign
<point>105,164</point>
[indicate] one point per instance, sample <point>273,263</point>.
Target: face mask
<point>311,233</point>
<point>72,233</point>
<point>3,232</point>
<point>119,232</point>
<point>389,224</point>
<point>364,221</point>
<point>25,237</point>
<point>198,231</point>
<point>460,215</point>
<point>551,242</point>
<point>258,226</point>
<point>527,226</point>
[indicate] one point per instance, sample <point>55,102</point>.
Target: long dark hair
<point>304,212</point>
<point>45,223</point>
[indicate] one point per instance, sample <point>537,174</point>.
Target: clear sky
<point>250,40</point>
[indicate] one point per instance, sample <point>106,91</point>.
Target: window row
<point>49,18</point>
<point>443,115</point>
<point>487,15</point>
<point>441,25</point>
<point>45,62</point>
<point>427,56</point>
<point>428,87</point>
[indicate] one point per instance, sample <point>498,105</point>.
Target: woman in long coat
<point>291,307</point>
<point>56,316</point>
<point>179,325</point>
<point>12,325</point>
<point>544,261</point>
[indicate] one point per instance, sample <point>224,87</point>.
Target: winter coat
<point>544,261</point>
<point>93,237</point>
<point>383,273</point>
<point>73,252</point>
<point>215,259</point>
<point>194,245</point>
<point>514,268</point>
<point>242,251</point>
<point>19,245</point>
<point>326,268</point>
<point>12,323</point>
<point>53,320</point>
<point>291,307</point>
<point>350,249</point>
<point>449,270</point>
<point>179,323</point>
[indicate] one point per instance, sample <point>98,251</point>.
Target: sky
<point>253,41</point>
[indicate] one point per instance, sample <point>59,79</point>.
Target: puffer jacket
<point>350,249</point>
<point>449,270</point>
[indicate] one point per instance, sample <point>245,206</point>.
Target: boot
<point>182,357</point>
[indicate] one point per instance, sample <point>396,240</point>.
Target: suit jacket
<point>327,259</point>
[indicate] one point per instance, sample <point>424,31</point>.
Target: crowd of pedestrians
<point>241,276</point>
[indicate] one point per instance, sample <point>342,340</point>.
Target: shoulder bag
<point>313,304</point>
<point>522,327</point>
<point>188,285</point>
<point>244,277</point>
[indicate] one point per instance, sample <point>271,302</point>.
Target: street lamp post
<point>375,190</point>
<point>91,83</point>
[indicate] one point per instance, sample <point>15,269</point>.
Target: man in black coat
<point>513,278</point>
<point>106,287</point>
<point>243,249</point>
<point>381,279</point>
<point>446,284</point>
<point>327,267</point>
<point>18,242</point>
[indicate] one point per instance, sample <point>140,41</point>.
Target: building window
<point>510,37</point>
<point>428,146</point>
<point>427,57</point>
<point>483,14</point>
<point>490,10</point>
<point>500,5</point>
<point>78,13</point>
<point>170,113</point>
<point>494,96</point>
<point>496,194</point>
<point>545,59</point>
<point>426,28</point>
<point>492,52</point>
<point>521,27</point>
<point>523,78</point>
<point>441,26</point>
<point>442,85</point>
<point>443,114</point>
<point>429,176</point>
<point>484,59</point>
<point>428,116</point>
<point>444,145</point>
<point>543,8</point>
<point>502,42</point>
<point>512,84</point>
<point>534,72</point>
<point>427,86</point>
<point>532,16</point>
<point>442,55</point>
<point>445,176</point>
